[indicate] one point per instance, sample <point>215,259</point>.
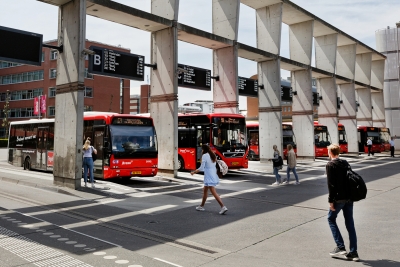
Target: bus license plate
<point>136,172</point>
<point>235,163</point>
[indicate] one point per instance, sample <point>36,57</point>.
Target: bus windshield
<point>288,138</point>
<point>321,136</point>
<point>385,136</point>
<point>375,137</point>
<point>133,141</point>
<point>230,132</point>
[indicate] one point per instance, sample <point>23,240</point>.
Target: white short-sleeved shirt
<point>210,170</point>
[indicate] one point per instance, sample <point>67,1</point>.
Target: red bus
<point>385,137</point>
<point>365,132</point>
<point>225,133</point>
<point>342,139</point>
<point>253,137</point>
<point>322,140</point>
<point>126,144</point>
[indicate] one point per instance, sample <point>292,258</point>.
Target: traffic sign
<point>193,77</point>
<point>247,87</point>
<point>110,62</point>
<point>20,46</point>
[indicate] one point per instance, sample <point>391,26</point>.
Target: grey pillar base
<point>306,158</point>
<point>264,160</point>
<point>351,154</point>
<point>67,182</point>
<point>167,173</point>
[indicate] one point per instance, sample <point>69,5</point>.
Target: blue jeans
<point>294,172</point>
<point>348,218</point>
<point>87,164</point>
<point>277,175</point>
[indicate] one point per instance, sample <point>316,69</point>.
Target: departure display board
<point>247,87</point>
<point>109,62</point>
<point>286,93</point>
<point>193,77</point>
<point>20,46</point>
<point>315,99</point>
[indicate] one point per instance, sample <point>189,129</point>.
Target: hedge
<point>3,142</point>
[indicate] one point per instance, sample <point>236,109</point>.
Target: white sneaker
<point>85,184</point>
<point>93,185</point>
<point>276,183</point>
<point>285,183</point>
<point>223,210</point>
<point>297,183</point>
<point>200,208</point>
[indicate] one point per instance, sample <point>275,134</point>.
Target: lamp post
<point>6,111</point>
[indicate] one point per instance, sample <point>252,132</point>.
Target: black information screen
<point>109,62</point>
<point>315,98</point>
<point>20,46</point>
<point>192,77</point>
<point>286,93</point>
<point>247,87</point>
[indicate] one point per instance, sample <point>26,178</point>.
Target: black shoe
<point>338,251</point>
<point>352,256</point>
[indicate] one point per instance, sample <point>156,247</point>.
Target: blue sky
<point>358,18</point>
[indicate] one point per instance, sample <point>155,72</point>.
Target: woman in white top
<point>88,161</point>
<point>208,166</point>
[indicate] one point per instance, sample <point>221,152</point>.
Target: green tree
<point>6,111</point>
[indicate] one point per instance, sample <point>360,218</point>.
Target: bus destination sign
<point>109,62</point>
<point>195,78</point>
<point>132,121</point>
<point>247,87</point>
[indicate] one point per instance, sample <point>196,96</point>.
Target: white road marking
<point>173,264</point>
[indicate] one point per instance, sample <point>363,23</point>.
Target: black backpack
<point>357,186</point>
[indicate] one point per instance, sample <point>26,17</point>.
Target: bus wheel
<point>181,164</point>
<point>27,164</point>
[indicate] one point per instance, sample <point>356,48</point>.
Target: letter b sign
<point>97,60</point>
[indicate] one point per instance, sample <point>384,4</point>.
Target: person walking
<point>208,166</point>
<point>276,165</point>
<point>88,162</point>
<point>291,157</point>
<point>369,145</point>
<point>391,142</point>
<point>339,199</point>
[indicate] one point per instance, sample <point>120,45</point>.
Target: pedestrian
<point>369,145</point>
<point>88,161</point>
<point>291,165</point>
<point>211,180</point>
<point>277,165</point>
<point>339,199</point>
<point>391,142</point>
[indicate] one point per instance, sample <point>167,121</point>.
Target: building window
<point>5,64</point>
<point>284,109</point>
<point>88,108</point>
<point>43,57</point>
<point>52,111</point>
<point>52,92</point>
<point>22,77</point>
<point>88,92</point>
<point>53,73</point>
<point>88,75</point>
<point>53,54</point>
<point>288,109</point>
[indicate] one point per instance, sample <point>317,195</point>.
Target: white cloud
<point>358,18</point>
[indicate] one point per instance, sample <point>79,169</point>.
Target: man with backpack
<point>340,198</point>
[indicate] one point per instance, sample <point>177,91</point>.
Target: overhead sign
<point>247,87</point>
<point>193,77</point>
<point>315,98</point>
<point>286,93</point>
<point>110,62</point>
<point>20,46</point>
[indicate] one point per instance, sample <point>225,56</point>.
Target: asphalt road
<point>153,222</point>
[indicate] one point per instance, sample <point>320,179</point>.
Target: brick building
<point>24,82</point>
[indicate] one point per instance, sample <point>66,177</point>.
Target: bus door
<point>42,145</point>
<point>202,137</point>
<point>98,142</point>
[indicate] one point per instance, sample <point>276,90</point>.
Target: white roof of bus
<point>32,121</point>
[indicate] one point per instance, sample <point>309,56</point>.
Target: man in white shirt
<point>369,145</point>
<point>391,142</point>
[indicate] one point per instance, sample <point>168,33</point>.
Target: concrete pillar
<point>327,110</point>
<point>347,115</point>
<point>302,114</point>
<point>167,9</point>
<point>378,109</point>
<point>270,109</point>
<point>68,136</point>
<point>325,59</point>
<point>364,114</point>
<point>346,61</point>
<point>269,28</point>
<point>363,68</point>
<point>300,44</point>
<point>377,73</point>
<point>225,21</point>
<point>164,98</point>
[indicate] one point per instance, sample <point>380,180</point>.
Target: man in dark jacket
<point>339,199</point>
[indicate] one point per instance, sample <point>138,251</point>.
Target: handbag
<point>94,156</point>
<point>219,172</point>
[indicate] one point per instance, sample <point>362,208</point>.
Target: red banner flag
<point>43,104</point>
<point>36,106</point>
